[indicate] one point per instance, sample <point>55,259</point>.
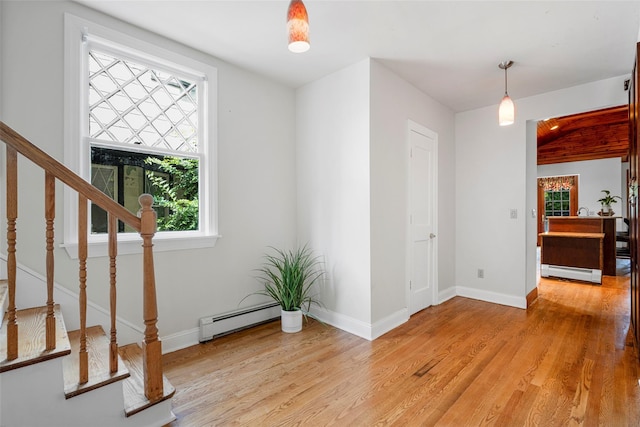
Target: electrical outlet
<point>480,273</point>
<point>513,214</point>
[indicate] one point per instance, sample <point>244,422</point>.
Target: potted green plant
<point>288,278</point>
<point>607,201</point>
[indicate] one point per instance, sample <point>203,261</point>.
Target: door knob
<point>431,235</point>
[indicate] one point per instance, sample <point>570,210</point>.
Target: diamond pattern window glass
<point>134,104</point>
<point>106,179</point>
<point>143,135</point>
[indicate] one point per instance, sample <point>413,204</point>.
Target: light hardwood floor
<point>568,360</point>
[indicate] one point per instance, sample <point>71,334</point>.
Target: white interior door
<point>422,217</point>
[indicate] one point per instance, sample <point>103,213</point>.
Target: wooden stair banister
<point>144,223</point>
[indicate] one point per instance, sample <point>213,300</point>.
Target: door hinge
<point>410,285</point>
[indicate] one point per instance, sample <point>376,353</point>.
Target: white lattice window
<point>132,103</point>
<point>140,122</point>
<point>144,123</point>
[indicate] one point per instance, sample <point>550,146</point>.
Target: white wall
<point>256,175</point>
<point>393,102</point>
<point>492,178</point>
<point>594,176</point>
<point>333,189</point>
<point>532,275</point>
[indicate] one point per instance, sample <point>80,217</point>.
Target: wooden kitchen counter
<point>572,249</point>
<point>582,226</point>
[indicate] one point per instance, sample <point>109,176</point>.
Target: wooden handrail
<point>66,175</point>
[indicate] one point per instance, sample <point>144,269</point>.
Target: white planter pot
<point>291,321</point>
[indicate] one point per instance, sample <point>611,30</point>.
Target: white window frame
<point>80,35</point>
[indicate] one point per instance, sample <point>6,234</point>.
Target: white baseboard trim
<point>494,297</point>
<point>390,322</point>
<point>359,328</point>
<point>346,323</point>
<point>180,340</point>
<point>446,295</point>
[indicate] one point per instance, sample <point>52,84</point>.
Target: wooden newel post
<point>151,346</point>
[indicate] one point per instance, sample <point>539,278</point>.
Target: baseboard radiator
<point>585,274</point>
<point>216,326</point>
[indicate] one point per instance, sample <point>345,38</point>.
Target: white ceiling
<point>449,49</point>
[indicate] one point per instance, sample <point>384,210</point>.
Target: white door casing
<point>422,221</point>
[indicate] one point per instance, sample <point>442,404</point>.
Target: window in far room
<point>557,196</point>
<point>556,202</point>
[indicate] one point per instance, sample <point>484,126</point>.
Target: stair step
<point>32,338</point>
<point>134,398</point>
<point>98,355</point>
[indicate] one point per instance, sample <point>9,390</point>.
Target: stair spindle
<point>50,212</point>
<point>113,252</point>
<point>82,258</point>
<point>12,216</point>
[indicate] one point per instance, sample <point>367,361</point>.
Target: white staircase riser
<point>41,386</point>
<point>34,396</point>
<point>25,389</point>
<point>22,390</point>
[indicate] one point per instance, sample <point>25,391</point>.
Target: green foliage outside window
<point>178,193</point>
<point>556,202</point>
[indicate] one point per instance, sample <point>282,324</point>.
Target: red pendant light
<point>298,27</point>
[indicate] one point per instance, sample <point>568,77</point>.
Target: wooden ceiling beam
<point>585,136</point>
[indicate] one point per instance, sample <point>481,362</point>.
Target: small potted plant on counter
<point>606,203</point>
<point>288,278</point>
